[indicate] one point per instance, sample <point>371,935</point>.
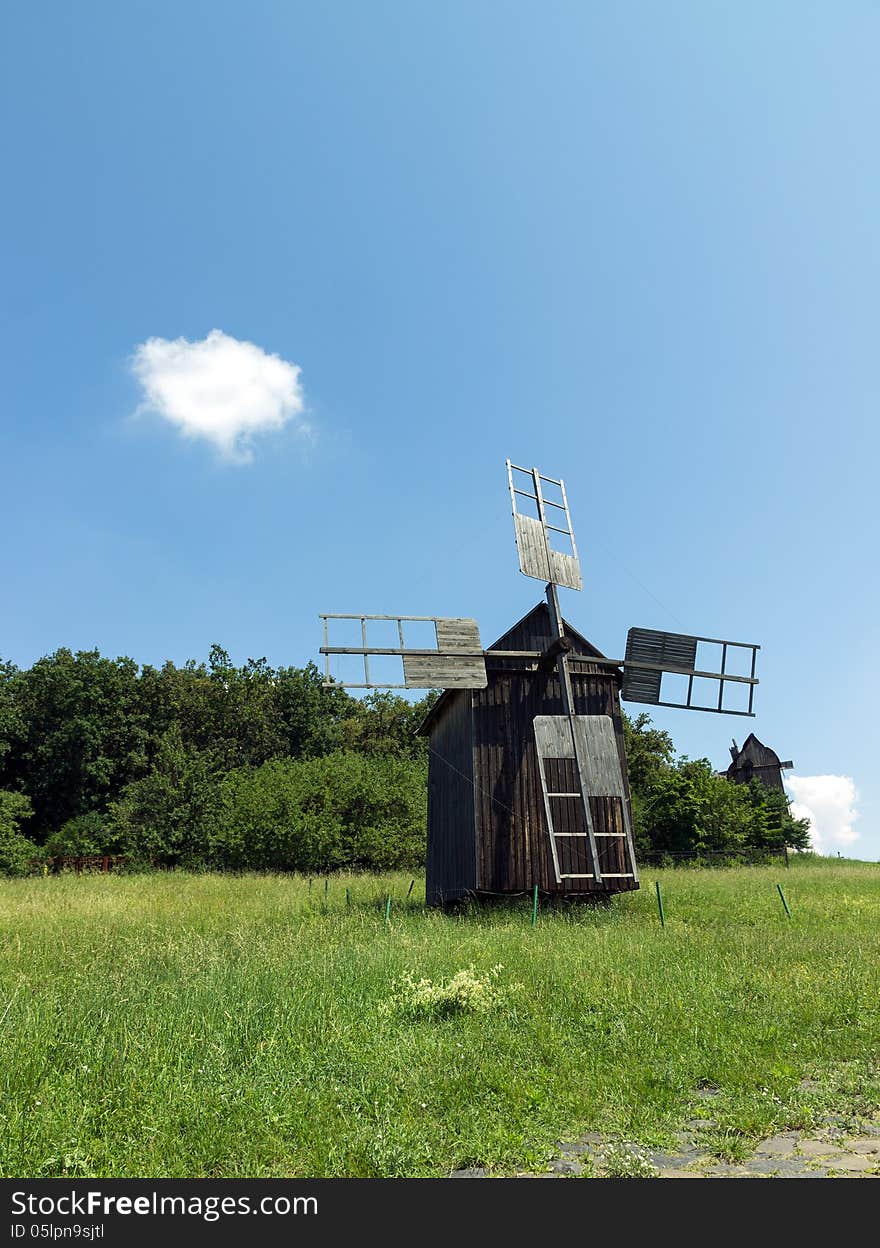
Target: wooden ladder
<point>583,747</point>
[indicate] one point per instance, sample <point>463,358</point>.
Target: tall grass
<point>188,1025</point>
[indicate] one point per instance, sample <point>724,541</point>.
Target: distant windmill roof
<point>757,761</point>
<point>753,740</point>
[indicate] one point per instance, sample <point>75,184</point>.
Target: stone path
<point>830,1150</point>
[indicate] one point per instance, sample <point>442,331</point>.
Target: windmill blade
<point>651,654</point>
<point>456,662</point>
<point>537,555</point>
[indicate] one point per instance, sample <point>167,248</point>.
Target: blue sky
<point>634,244</point>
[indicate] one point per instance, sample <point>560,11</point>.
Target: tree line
<point>209,765</point>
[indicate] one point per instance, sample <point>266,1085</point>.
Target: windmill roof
<point>751,739</point>
<point>582,645</point>
<point>543,610</point>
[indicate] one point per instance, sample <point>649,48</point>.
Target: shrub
<point>466,992</point>
<point>82,836</point>
<point>18,854</point>
<point>321,814</point>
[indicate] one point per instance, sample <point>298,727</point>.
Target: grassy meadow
<point>209,1025</point>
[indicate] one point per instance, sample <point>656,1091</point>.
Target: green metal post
<point>412,885</point>
<point>326,885</point>
<point>388,909</point>
<point>535,906</point>
<point>784,902</point>
<point>660,905</point>
<point>348,899</point>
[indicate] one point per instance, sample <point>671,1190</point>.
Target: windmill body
<point>527,771</point>
<point>487,821</point>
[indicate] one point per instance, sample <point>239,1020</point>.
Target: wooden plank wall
<point>451,858</point>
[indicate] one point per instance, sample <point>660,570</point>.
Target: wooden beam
<point>547,661</point>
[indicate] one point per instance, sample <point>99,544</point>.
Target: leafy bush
<point>18,855</point>
<point>319,814</point>
<point>82,836</point>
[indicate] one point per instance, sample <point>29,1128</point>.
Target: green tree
<point>166,817</point>
<point>773,825</point>
<point>384,723</point>
<point>311,715</point>
<point>687,809</point>
<point>649,750</point>
<point>12,727</point>
<point>244,715</point>
<point>77,736</point>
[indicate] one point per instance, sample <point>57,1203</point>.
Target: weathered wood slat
<point>650,653</point>
<point>443,672</point>
<point>532,547</point>
<point>534,540</point>
<point>604,778</point>
<point>565,570</point>
<point>454,634</point>
<point>538,559</point>
<point>650,646</point>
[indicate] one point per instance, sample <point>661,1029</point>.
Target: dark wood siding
<point>451,862</point>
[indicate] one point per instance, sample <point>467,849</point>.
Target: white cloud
<point>829,802</point>
<point>220,389</point>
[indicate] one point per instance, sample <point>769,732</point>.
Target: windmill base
<point>555,896</point>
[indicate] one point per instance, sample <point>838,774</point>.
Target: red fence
<point>87,862</point>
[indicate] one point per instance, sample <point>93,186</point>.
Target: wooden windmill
<point>527,781</point>
<point>756,761</point>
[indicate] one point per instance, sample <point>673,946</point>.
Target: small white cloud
<point>829,802</point>
<point>220,389</point>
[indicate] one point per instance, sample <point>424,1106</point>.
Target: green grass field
<point>184,1025</point>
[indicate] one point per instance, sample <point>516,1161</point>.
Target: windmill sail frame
<point>537,556</point>
<point>651,653</point>
<point>457,662</point>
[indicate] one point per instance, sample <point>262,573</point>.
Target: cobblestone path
<point>832,1149</point>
